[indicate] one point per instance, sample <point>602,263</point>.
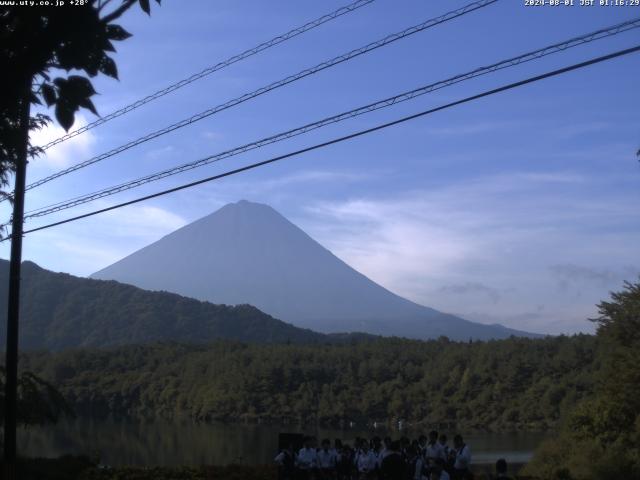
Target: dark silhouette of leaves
<point>49,94</point>
<point>116,32</point>
<point>35,41</point>
<point>144,4</point>
<point>108,67</point>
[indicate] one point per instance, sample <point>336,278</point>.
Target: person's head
<point>387,442</point>
<point>433,436</point>
<point>326,444</point>
<point>337,443</point>
<point>404,442</point>
<point>394,446</point>
<point>376,442</point>
<point>501,466</point>
<point>422,440</point>
<point>457,441</point>
<point>443,439</point>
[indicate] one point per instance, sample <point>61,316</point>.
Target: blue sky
<point>521,208</point>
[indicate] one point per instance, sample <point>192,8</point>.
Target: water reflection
<point>171,443</point>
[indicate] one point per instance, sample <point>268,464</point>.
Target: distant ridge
<point>247,253</point>
<point>60,311</point>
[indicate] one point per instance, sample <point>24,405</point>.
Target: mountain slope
<point>249,253</point>
<point>62,311</point>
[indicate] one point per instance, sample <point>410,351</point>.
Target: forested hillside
<point>498,385</point>
<point>600,437</point>
<point>62,311</point>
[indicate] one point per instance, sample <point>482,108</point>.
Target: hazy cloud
<point>471,288</point>
<point>465,247</point>
<point>570,273</point>
<point>64,154</point>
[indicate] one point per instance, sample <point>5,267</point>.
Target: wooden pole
<point>15,264</point>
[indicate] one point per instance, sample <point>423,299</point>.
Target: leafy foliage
<point>38,401</point>
<point>62,311</point>
<point>601,437</point>
<point>39,40</point>
<point>514,384</point>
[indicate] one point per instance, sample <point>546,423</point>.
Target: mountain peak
<point>246,205</point>
<point>242,209</point>
<point>248,253</point>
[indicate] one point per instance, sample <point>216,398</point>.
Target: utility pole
<point>13,314</point>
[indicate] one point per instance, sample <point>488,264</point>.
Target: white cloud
<point>88,245</point>
<point>213,135</point>
<point>64,154</point>
<point>160,153</point>
<point>141,221</point>
<point>495,238</point>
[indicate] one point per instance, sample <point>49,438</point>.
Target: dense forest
<point>62,311</point>
<point>501,385</point>
<point>600,436</point>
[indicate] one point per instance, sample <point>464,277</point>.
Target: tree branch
<point>117,13</point>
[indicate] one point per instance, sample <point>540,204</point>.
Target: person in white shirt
<point>439,468</point>
<point>414,462</point>
<point>463,457</point>
<point>326,459</point>
<point>307,459</point>
<point>376,451</point>
<point>444,446</point>
<point>433,449</point>
<point>419,468</point>
<point>365,460</point>
<point>286,460</point>
<point>386,448</point>
<point>422,443</point>
<point>438,473</point>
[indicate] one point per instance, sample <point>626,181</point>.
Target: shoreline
<point>83,468</point>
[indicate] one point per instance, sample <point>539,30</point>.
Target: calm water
<point>162,443</point>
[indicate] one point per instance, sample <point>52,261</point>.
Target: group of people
<point>378,459</point>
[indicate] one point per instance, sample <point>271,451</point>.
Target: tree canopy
<point>502,385</point>
<point>601,437</point>
<point>43,52</point>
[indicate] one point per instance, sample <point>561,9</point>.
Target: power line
<point>252,166</point>
<point>387,102</point>
<point>280,83</point>
<point>214,68</point>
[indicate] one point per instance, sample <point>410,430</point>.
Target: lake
<point>141,443</point>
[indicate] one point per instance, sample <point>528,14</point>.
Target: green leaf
<point>116,32</point>
<point>49,94</point>
<point>144,4</point>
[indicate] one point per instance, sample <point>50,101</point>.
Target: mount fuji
<point>247,253</point>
